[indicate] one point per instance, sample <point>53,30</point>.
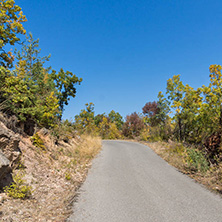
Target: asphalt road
<point>129,182</point>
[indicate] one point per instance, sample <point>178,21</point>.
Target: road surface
<point>128,182</point>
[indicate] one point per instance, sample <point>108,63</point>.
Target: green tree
<point>32,92</point>
<point>99,118</point>
<point>108,129</point>
<point>175,91</point>
<point>213,96</point>
<point>11,19</point>
<point>84,122</point>
<point>116,118</point>
<point>65,84</point>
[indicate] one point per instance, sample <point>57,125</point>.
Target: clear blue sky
<point>126,50</point>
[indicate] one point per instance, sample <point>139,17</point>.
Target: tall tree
<point>11,19</point>
<point>84,122</point>
<point>175,91</point>
<point>133,125</point>
<point>65,84</point>
<point>116,118</point>
<point>151,110</point>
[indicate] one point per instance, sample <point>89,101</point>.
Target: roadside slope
<point>129,182</point>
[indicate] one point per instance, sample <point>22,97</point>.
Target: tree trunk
<point>180,129</point>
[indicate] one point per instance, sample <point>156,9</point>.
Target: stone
<point>9,145</point>
<point>4,165</point>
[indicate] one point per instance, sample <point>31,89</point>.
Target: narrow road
<point>128,182</point>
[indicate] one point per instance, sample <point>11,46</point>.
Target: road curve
<point>129,182</point>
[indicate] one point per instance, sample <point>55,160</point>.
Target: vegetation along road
<point>129,182</point>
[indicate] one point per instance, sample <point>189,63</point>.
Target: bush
<point>196,160</point>
<point>177,148</point>
<point>37,141</point>
<point>67,176</point>
<point>145,134</point>
<point>18,189</point>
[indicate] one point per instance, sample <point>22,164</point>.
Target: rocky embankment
<point>10,153</point>
<point>53,169</point>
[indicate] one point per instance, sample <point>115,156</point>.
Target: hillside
<point>53,171</point>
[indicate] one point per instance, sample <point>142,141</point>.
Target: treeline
<point>31,92</point>
<point>184,114</point>
<point>35,95</point>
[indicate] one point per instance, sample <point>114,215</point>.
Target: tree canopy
<point>11,19</point>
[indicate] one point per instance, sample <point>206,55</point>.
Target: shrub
<point>196,160</point>
<point>18,189</point>
<point>37,141</point>
<point>177,148</point>
<point>145,134</point>
<point>68,176</point>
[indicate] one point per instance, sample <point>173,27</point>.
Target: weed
<point>21,165</point>
<point>177,148</point>
<point>196,160</point>
<point>68,176</point>
<point>18,189</point>
<point>37,141</point>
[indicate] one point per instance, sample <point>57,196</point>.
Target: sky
<point>125,51</point>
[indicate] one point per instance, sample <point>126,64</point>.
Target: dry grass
<point>167,153</point>
<point>176,157</point>
<point>54,174</point>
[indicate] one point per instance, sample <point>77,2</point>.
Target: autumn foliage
<point>133,125</point>
<point>32,92</point>
<point>36,96</point>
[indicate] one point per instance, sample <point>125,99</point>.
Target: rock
<point>4,165</point>
<point>43,131</point>
<point>9,145</point>
<point>2,197</point>
<point>170,141</point>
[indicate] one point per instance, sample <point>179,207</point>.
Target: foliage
<point>64,130</point>
<point>196,114</point>
<point>108,130</point>
<point>133,125</point>
<point>67,176</point>
<point>175,91</point>
<point>157,120</point>
<point>84,122</point>
<point>102,125</point>
<point>177,148</point>
<point>27,98</point>
<point>145,134</point>
<point>18,189</point>
<point>37,141</point>
<point>151,110</point>
<point>116,118</point>
<point>34,93</point>
<point>11,17</point>
<point>196,160</point>
<point>65,85</point>
<point>99,118</point>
